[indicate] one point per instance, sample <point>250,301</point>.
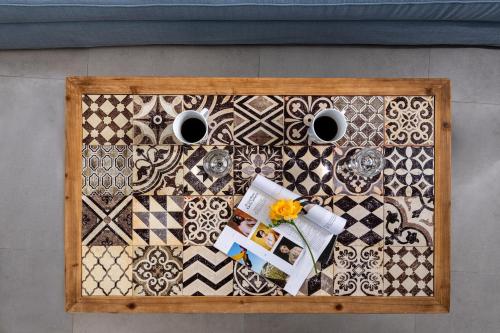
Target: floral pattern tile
<point>358,270</point>
<point>196,180</point>
<point>409,171</point>
<point>249,283</point>
<point>364,215</point>
<point>158,170</point>
<point>206,272</point>
<point>409,271</point>
<point>153,118</point>
<point>220,116</point>
<point>205,217</point>
<point>107,170</point>
<point>107,119</point>
<point>409,120</point>
<point>346,182</point>
<point>308,170</point>
<point>258,120</point>
<point>106,271</point>
<point>157,270</point>
<point>106,220</point>
<point>409,221</point>
<point>250,161</point>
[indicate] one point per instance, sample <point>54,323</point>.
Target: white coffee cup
<point>189,114</point>
<point>339,119</point>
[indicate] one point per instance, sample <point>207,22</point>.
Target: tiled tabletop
<point>151,214</point>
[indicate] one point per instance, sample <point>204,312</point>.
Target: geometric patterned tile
<point>107,170</point>
<point>408,271</point>
<point>157,270</point>
<point>106,271</point>
<point>256,160</point>
<point>157,170</point>
<point>346,182</point>
<point>409,171</point>
<point>220,116</point>
<point>153,118</point>
<point>249,283</point>
<point>409,221</point>
<point>258,120</point>
<point>364,215</point>
<point>196,180</point>
<point>358,270</point>
<point>307,170</point>
<point>205,217</point>
<point>320,284</point>
<point>107,119</point>
<point>175,212</point>
<point>149,220</point>
<point>206,271</point>
<point>106,220</point>
<point>324,201</point>
<point>409,120</point>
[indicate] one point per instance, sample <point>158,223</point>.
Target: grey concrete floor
<point>32,175</point>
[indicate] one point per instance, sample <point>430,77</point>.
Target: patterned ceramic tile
<point>153,118</point>
<point>307,170</point>
<point>256,160</point>
<point>409,120</point>
<point>220,116</point>
<point>196,180</point>
<point>157,270</point>
<point>258,120</point>
<point>408,271</point>
<point>158,170</point>
<point>320,284</point>
<point>322,200</point>
<point>175,212</point>
<point>364,215</point>
<point>205,217</point>
<point>206,272</point>
<point>107,170</point>
<point>107,119</point>
<point>106,271</point>
<point>106,220</point>
<point>249,283</point>
<point>409,221</point>
<point>346,182</point>
<point>409,171</point>
<point>358,270</point>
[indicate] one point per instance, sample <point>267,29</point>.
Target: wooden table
<point>141,216</point>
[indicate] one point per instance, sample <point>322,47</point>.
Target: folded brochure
<point>278,253</point>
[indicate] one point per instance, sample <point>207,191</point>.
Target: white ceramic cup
<point>189,114</point>
<point>337,116</point>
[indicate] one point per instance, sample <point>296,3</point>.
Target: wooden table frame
<point>77,86</point>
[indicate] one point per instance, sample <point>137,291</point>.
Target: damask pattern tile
<point>358,270</point>
<point>153,118</point>
<point>308,170</point>
<point>258,120</point>
<point>106,220</point>
<point>320,284</point>
<point>364,215</point>
<point>409,171</point>
<point>106,271</point>
<point>107,119</point>
<point>409,221</point>
<point>220,116</point>
<point>346,182</point>
<point>196,180</point>
<point>107,170</point>
<point>249,283</point>
<point>157,270</point>
<point>158,170</point>
<point>206,272</point>
<point>409,271</point>
<point>250,161</point>
<point>409,120</point>
<point>205,217</point>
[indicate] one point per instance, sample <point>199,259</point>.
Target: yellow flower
<point>285,209</point>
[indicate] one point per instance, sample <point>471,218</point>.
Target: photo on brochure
<point>242,222</point>
<point>288,250</point>
<point>265,236</point>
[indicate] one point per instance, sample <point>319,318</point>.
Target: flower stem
<point>307,244</point>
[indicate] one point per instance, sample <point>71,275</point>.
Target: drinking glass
<point>217,163</point>
<point>366,162</point>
